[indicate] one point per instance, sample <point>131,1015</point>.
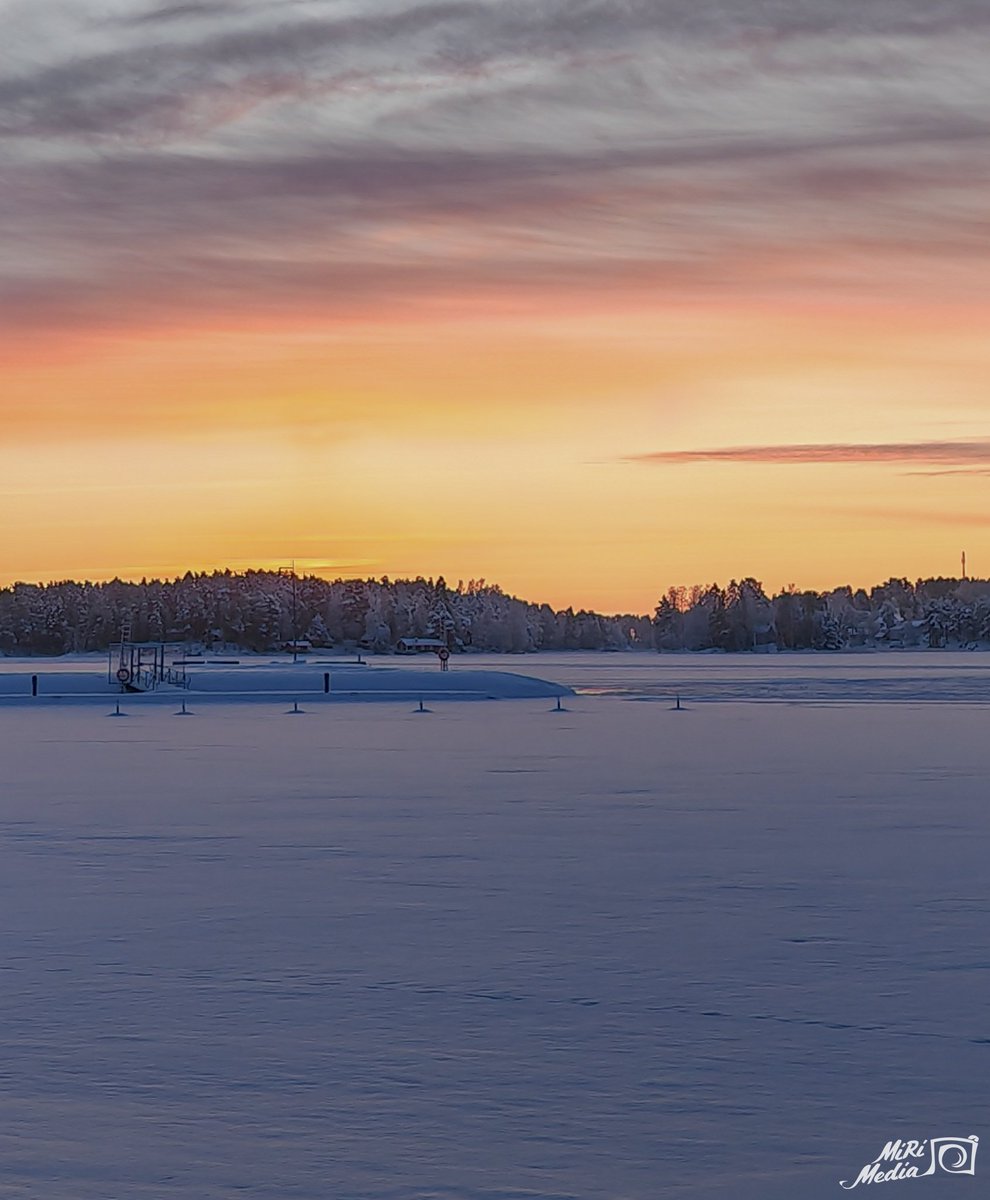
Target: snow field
<point>492,951</point>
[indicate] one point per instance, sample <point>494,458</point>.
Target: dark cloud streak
<point>119,90</point>
<point>970,452</point>
<point>182,12</point>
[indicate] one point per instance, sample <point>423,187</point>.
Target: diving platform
<point>143,666</point>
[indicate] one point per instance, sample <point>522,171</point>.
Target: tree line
<point>265,610</point>
<point>929,612</point>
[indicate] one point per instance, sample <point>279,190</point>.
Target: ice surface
<point>497,952</point>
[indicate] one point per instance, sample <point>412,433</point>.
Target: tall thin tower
<point>964,575</point>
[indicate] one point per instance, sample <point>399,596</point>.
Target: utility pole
<point>291,573</point>
<point>964,565</point>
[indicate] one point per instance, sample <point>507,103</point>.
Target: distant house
<point>908,633</point>
<point>414,645</point>
<point>300,646</point>
<point>765,638</point>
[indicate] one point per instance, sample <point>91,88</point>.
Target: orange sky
<point>502,449</point>
<point>586,311</point>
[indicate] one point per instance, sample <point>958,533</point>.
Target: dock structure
<point>142,666</point>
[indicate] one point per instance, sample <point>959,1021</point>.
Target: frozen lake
<point>496,952</point>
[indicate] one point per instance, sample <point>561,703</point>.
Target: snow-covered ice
<point>497,952</point>
<point>257,680</point>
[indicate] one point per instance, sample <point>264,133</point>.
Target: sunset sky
<point>584,298</point>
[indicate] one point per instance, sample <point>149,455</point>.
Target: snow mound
<point>256,682</point>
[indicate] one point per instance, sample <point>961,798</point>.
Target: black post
<point>34,685</point>
<point>326,682</point>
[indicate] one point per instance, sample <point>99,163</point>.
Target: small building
<point>416,645</point>
<point>299,646</point>
<point>765,639</point>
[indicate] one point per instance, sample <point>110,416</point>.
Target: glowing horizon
<point>587,308</point>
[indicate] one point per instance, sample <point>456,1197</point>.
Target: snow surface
<point>258,681</point>
<point>497,952</point>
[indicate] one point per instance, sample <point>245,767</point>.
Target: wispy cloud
<point>167,157</point>
<point>971,453</point>
<point>912,517</point>
<point>180,12</point>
